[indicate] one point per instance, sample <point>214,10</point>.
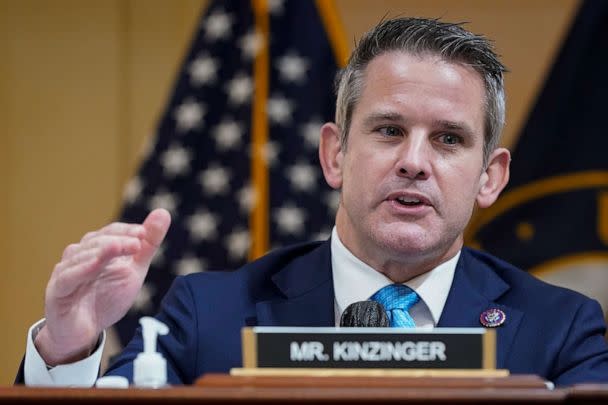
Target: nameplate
<point>439,348</point>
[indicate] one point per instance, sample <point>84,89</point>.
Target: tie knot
<point>396,296</point>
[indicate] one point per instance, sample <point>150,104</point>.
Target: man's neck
<point>396,266</point>
<point>399,271</point>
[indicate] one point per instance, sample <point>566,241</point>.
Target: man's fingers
<point>84,261</point>
<point>66,280</point>
<point>89,264</point>
<point>84,266</point>
<point>94,239</point>
<point>70,250</point>
<point>116,229</point>
<point>121,245</point>
<point>77,258</point>
<point>118,243</point>
<point>102,246</point>
<point>156,226</point>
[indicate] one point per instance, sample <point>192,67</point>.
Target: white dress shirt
<point>353,281</point>
<point>82,373</point>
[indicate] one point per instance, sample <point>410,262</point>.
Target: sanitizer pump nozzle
<point>150,367</point>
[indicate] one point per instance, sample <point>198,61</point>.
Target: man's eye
<point>450,139</point>
<point>389,131</point>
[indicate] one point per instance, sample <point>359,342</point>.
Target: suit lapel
<point>475,289</point>
<point>307,293</point>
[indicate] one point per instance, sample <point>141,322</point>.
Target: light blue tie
<point>397,299</point>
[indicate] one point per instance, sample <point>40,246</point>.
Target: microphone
<point>364,314</point>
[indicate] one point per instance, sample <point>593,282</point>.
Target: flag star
<point>143,301</point>
<point>175,160</point>
<point>270,152</point>
<point>292,68</point>
<point>290,219</point>
<point>280,110</point>
<point>251,43</point>
<point>311,132</point>
<point>163,199</point>
<point>332,200</point>
<point>133,190</point>
<point>227,135</point>
<point>215,179</point>
<point>203,70</point>
<point>203,226</point>
<point>276,7</point>
<point>189,115</point>
<point>217,25</point>
<point>246,198</point>
<point>188,265</point>
<point>303,177</point>
<point>238,243</point>
<point>239,89</point>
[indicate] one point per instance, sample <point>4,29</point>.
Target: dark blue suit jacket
<point>553,332</point>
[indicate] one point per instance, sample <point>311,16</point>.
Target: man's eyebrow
<point>379,117</point>
<point>455,126</point>
<point>394,117</point>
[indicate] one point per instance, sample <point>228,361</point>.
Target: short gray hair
<point>421,36</point>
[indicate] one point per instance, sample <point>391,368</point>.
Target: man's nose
<point>414,158</point>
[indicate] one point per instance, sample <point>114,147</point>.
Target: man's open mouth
<point>408,201</point>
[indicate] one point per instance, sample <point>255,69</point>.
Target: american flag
<point>257,81</point>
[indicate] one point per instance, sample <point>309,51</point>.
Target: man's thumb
<point>156,225</point>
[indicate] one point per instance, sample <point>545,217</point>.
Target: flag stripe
<point>335,30</point>
<point>259,168</point>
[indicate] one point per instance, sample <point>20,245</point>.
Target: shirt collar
<point>355,281</point>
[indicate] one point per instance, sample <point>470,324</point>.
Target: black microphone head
<point>365,314</point>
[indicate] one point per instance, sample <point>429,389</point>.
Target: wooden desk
<point>588,394</point>
<point>224,389</point>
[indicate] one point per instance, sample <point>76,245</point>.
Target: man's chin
<point>407,243</point>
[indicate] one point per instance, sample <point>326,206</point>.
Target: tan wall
<point>82,84</point>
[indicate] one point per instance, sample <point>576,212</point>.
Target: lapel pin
<point>492,318</point>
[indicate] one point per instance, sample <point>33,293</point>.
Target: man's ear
<point>331,155</point>
<point>494,178</point>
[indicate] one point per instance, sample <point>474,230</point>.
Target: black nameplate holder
<point>305,348</point>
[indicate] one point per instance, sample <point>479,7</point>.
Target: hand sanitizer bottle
<point>150,367</point>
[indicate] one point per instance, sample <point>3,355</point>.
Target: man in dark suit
<point>414,148</point>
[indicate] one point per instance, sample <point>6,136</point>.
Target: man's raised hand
<point>95,284</point>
